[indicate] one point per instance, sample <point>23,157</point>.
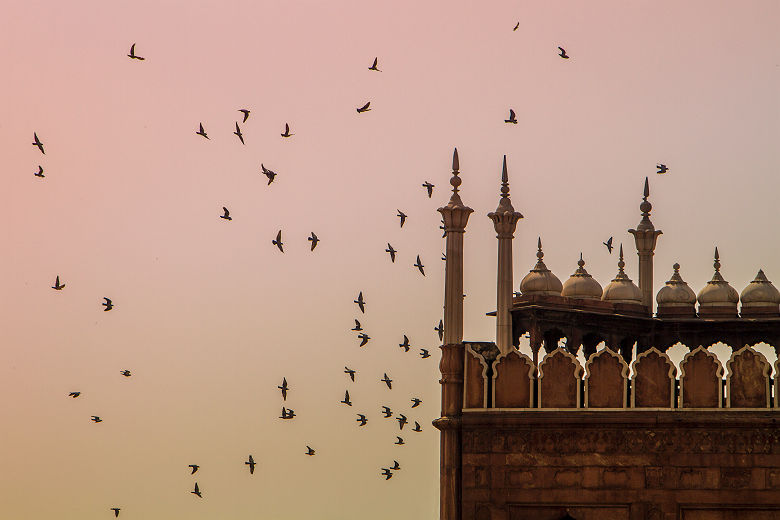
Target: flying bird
<point>419,265</point>
<point>278,241</point>
<point>361,303</point>
<point>444,257</point>
<point>563,54</point>
<point>96,418</point>
<point>251,464</point>
<point>226,214</point>
<point>197,491</point>
<point>402,216</point>
<point>424,353</point>
<point>516,26</point>
<point>405,344</point>
<point>416,402</point>
<point>400,441</point>
<point>245,112</point>
<point>608,243</point>
<point>346,400</point>
<point>373,66</point>
<point>428,186</point>
<point>512,118</point>
<point>37,142</point>
<point>395,466</point>
<point>108,304</point>
<point>74,394</point>
<point>363,338</point>
<point>202,132</point>
<point>391,251</point>
<point>194,468</point>
<point>350,373</point>
<point>416,426</point>
<point>357,327</point>
<point>125,373</point>
<point>440,330</point>
<point>387,473</point>
<point>313,239</point>
<point>388,381</point>
<point>57,285</point>
<point>287,413</point>
<point>661,168</point>
<point>132,54</point>
<point>387,412</point>
<point>284,388</point>
<point>401,421</point>
<point>40,172</point>
<point>364,108</point>
<point>361,419</point>
<point>268,173</point>
<point>309,451</point>
<point>116,510</point>
<point>287,131</point>
<point>443,228</point>
<point>239,134</point>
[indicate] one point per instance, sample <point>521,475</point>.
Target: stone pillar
<point>455,216</point>
<point>645,237</point>
<point>504,221</point>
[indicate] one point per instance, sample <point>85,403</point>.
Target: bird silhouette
<point>400,441</point>
<point>416,426</point>
<point>196,491</point>
<point>608,243</point>
<point>402,216</point>
<point>662,168</point>
<point>350,373</point>
<point>424,353</point>
<point>108,304</point>
<point>391,251</point>
<point>444,257</point>
<point>512,118</point>
<point>395,466</point>
<point>309,451</point>
<point>268,173</point>
<point>39,173</point>
<point>116,510</point>
<point>388,381</point>
<point>284,388</point>
<point>361,419</point>
<point>361,303</point>
<point>387,473</point>
<point>405,344</point>
<point>428,186</point>
<point>226,214</point>
<point>387,412</point>
<point>357,327</point>
<point>287,413</point>
<point>251,464</point>
<point>132,54</point>
<point>346,400</point>
<point>440,330</point>
<point>416,402</point>
<point>278,241</point>
<point>57,285</point>
<point>96,418</point>
<point>245,112</point>
<point>37,142</point>
<point>516,26</point>
<point>363,338</point>
<point>194,468</point>
<point>202,132</point>
<point>313,239</point>
<point>373,66</point>
<point>239,134</point>
<point>364,108</point>
<point>563,54</point>
<point>401,421</point>
<point>287,131</point>
<point>74,394</point>
<point>419,265</point>
<point>125,373</point>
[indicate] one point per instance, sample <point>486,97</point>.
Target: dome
<point>676,292</point>
<point>540,280</point>
<point>718,297</point>
<point>622,289</point>
<point>581,284</point>
<point>760,293</point>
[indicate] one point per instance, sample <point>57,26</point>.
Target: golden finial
<point>621,263</point>
<point>539,253</point>
<point>717,260</point>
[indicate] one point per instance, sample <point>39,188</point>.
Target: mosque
<point>625,436</point>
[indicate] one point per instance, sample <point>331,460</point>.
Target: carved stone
<point>653,380</point>
<point>701,376</point>
<point>606,380</point>
<point>559,380</point>
<point>513,381</point>
<point>748,379</point>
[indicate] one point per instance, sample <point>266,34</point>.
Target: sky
<point>209,316</point>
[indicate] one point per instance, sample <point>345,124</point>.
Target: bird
<point>361,303</point>
<point>563,53</point>
<point>363,338</point>
<point>516,26</point>
<point>391,251</point>
<point>284,388</point>
<point>287,131</point>
<point>226,214</point>
<point>419,265</point>
<point>197,491</point>
<point>444,257</point>
<point>108,304</point>
<point>395,466</point>
<point>268,173</point>
<point>346,400</point>
<point>96,418</point>
<point>116,510</point>
<point>309,451</point>
<point>387,473</point>
<point>251,464</point>
<point>428,186</point>
<point>125,373</point>
<point>373,66</point>
<point>357,327</point>
<point>313,239</point>
<point>40,172</point>
<point>74,394</point>
<point>512,118</point>
<point>350,373</point>
<point>387,412</point>
<point>402,216</point>
<point>443,227</point>
<point>416,402</point>
<point>608,243</point>
<point>424,353</point>
<point>388,381</point>
<point>132,54</point>
<point>239,134</point>
<point>194,468</point>
<point>405,344</point>
<point>57,286</point>
<point>662,168</point>
<point>400,441</point>
<point>287,413</point>
<point>401,421</point>
<point>416,426</point>
<point>440,330</point>
<point>364,108</point>
<point>202,132</point>
<point>361,419</point>
<point>245,112</point>
<point>37,142</point>
<point>278,241</point>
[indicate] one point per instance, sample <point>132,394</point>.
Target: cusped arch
<point>701,380</point>
<point>652,383</point>
<point>513,380</point>
<point>777,383</point>
<point>474,380</point>
<point>747,381</point>
<point>559,380</point>
<point>606,380</point>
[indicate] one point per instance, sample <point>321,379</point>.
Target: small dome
<point>540,280</point>
<point>676,292</point>
<point>760,292</point>
<point>622,289</point>
<point>581,284</point>
<point>718,292</point>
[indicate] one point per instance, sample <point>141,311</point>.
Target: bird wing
<point>511,114</point>
<point>374,65</point>
<point>365,106</point>
<point>286,128</point>
<point>279,236</point>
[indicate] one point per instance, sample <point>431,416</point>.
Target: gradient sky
<point>210,316</point>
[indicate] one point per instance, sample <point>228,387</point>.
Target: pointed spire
<point>505,203</point>
<point>539,267</point>
<point>676,278</point>
<point>621,263</point>
<point>455,181</point>
<point>717,277</point>
<point>647,189</point>
<point>581,269</point>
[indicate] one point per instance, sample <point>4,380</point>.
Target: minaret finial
<point>581,262</point>
<point>621,263</point>
<point>647,188</point>
<point>716,264</point>
<point>505,203</point>
<point>539,253</point>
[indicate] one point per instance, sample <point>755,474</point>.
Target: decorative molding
<point>470,357</point>
<point>578,371</point>
<point>765,370</point>
<point>606,351</point>
<point>531,375</point>
<point>718,373</point>
<point>671,374</point>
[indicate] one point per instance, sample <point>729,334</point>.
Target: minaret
<point>456,216</point>
<point>505,221</point>
<point>645,236</point>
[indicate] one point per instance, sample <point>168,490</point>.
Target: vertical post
<point>455,216</point>
<point>645,237</point>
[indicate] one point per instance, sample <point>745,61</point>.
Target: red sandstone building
<point>627,435</point>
